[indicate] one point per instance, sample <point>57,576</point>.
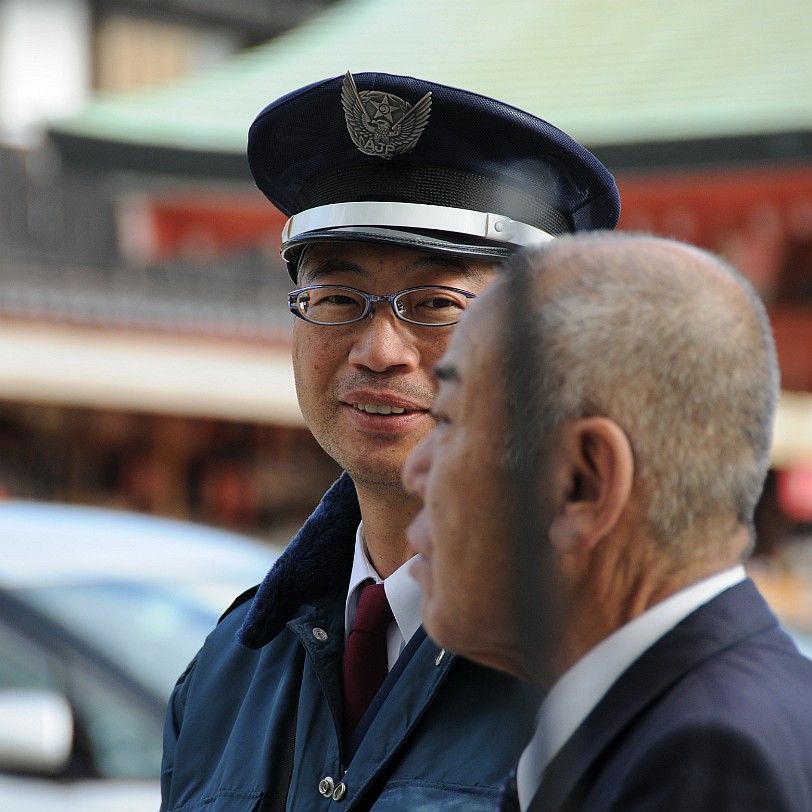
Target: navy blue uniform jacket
<point>444,737</point>
<point>715,717</point>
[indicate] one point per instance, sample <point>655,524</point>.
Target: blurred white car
<point>100,612</point>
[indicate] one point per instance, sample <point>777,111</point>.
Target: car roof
<point>45,543</point>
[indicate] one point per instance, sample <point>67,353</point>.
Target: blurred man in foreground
<point>637,432</point>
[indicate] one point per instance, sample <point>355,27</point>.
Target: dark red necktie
<point>365,664</point>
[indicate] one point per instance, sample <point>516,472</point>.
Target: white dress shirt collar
<point>402,592</point>
<point>580,689</point>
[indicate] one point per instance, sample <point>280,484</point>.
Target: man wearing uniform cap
<point>319,689</point>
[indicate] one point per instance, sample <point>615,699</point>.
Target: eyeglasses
<point>428,306</point>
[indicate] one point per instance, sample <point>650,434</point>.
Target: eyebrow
<point>447,373</point>
<point>332,266</point>
<point>451,263</point>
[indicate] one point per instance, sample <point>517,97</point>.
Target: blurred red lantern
<point>794,491</point>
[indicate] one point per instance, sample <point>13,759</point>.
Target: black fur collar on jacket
<point>314,568</point>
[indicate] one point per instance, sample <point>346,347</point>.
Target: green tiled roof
<point>606,71</point>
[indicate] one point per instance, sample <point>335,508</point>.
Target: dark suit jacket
<point>716,716</point>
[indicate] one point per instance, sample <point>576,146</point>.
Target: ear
<point>595,472</point>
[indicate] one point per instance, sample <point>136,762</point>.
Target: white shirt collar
<point>402,592</point>
<point>581,688</point>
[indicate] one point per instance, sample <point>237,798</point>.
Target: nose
<point>384,342</point>
<point>416,469</point>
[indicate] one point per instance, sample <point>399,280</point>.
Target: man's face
<point>465,565</point>
<point>365,389</point>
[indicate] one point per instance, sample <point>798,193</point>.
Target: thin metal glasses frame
<point>370,300</point>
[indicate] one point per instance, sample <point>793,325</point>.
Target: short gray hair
<point>651,334</point>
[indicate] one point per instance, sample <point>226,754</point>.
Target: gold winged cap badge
<point>382,124</point>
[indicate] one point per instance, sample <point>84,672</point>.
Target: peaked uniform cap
<point>463,173</point>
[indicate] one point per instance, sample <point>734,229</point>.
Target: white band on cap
<point>485,225</point>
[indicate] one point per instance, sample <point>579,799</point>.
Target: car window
<point>23,663</point>
<point>151,631</point>
<point>117,729</point>
<point>124,732</point>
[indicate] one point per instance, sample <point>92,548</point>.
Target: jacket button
<point>340,791</point>
<point>319,634</point>
<point>326,787</point>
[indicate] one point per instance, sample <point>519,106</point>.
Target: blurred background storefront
<point>144,339</point>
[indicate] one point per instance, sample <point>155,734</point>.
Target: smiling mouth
<point>376,408</point>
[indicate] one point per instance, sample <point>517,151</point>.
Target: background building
<point>147,376</point>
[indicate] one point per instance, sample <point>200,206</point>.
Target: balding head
<point>670,343</point>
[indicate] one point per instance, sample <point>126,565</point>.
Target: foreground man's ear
<point>593,475</point>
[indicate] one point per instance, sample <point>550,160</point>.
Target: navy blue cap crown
<point>440,155</point>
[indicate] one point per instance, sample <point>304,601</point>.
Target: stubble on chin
<point>365,472</point>
<point>384,479</point>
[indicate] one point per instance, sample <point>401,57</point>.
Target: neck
<point>386,513</point>
<point>618,588</point>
